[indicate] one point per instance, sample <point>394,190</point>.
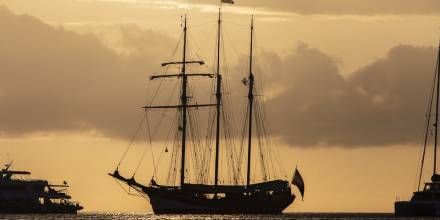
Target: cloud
<point>338,7</point>
<point>381,104</point>
<point>57,80</point>
<point>53,80</point>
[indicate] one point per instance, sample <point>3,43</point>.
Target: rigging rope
<point>231,42</point>
<point>131,141</point>
<point>427,124</point>
<point>128,191</point>
<point>149,140</point>
<point>148,130</point>
<point>202,155</point>
<point>201,24</point>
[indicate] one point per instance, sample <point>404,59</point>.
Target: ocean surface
<point>137,216</point>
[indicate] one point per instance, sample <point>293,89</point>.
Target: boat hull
<point>186,203</point>
<point>270,197</point>
<point>39,210</point>
<point>417,208</point>
<point>30,197</point>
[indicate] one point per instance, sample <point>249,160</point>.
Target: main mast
<point>218,96</point>
<point>184,105</point>
<point>251,102</point>
<point>435,92</point>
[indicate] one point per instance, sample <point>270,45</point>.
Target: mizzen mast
<point>251,102</point>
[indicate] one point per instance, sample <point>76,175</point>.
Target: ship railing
<point>21,177</point>
<point>66,201</point>
<point>74,202</point>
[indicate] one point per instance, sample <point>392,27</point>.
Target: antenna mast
<point>436,113</point>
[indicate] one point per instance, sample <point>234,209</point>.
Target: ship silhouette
<point>426,201</point>
<point>29,196</point>
<point>247,197</point>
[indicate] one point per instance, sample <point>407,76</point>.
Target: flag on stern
<point>228,1</point>
<point>298,181</point>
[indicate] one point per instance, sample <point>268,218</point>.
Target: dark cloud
<point>57,80</point>
<point>338,7</point>
<point>381,104</point>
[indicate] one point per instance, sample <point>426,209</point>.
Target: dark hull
<point>417,208</point>
<point>270,197</point>
<point>54,209</point>
<point>180,202</point>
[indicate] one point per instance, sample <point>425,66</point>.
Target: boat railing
<point>403,197</point>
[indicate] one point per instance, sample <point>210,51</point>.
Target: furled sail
<point>228,1</point>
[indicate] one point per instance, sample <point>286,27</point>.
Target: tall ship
<point>21,195</point>
<point>426,201</point>
<point>196,187</point>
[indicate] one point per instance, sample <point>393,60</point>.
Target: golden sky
<point>347,84</point>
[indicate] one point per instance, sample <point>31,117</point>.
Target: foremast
<point>184,106</point>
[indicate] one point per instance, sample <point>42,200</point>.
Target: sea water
<point>142,216</point>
